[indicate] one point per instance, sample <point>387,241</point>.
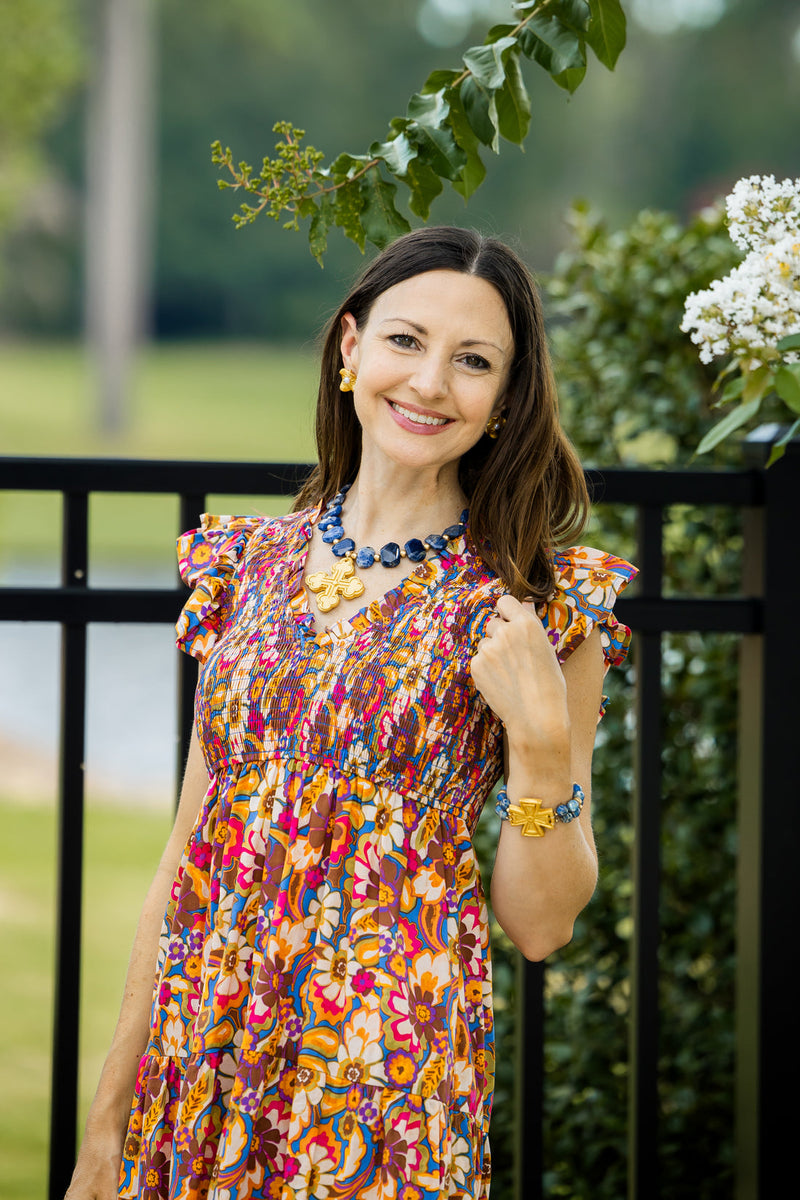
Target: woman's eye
<point>476,361</point>
<point>406,341</point>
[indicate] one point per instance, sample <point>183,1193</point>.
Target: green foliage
<point>39,62</point>
<point>633,391</point>
<point>632,387</point>
<point>455,112</point>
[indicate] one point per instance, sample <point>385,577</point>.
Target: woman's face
<point>432,362</point>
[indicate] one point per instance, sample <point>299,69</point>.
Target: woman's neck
<point>395,505</point>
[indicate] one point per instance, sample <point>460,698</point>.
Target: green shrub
<point>633,392</point>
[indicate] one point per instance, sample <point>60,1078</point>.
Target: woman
<point>321,1024</point>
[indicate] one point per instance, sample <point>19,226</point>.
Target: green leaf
<point>790,342</point>
<point>487,63</point>
<point>575,14</point>
<point>473,172</point>
<point>779,447</point>
<point>727,425</point>
<point>556,48</point>
<point>787,385</point>
<point>424,184</point>
<point>481,110</point>
<point>345,165</point>
<point>429,131</point>
<point>437,80</point>
<point>605,32</point>
<point>397,153</point>
<point>756,383</point>
<point>380,219</point>
<point>350,201</point>
<point>732,391</point>
<point>513,104</point>
<point>320,224</point>
<point>430,109</point>
<point>497,32</point>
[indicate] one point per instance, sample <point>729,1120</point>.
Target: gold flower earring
<point>348,380</point>
<point>495,424</point>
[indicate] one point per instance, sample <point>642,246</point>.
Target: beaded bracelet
<point>534,817</point>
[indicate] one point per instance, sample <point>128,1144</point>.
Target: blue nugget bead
<point>342,547</point>
<point>415,551</point>
<point>437,541</point>
<point>453,531</point>
<point>563,813</point>
<point>328,522</point>
<point>333,534</point>
<point>365,557</point>
<point>574,807</point>
<point>390,554</point>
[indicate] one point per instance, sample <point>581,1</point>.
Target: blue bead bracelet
<point>534,817</point>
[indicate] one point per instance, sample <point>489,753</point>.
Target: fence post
<point>770,822</point>
<point>66,1008</point>
<point>643,1174</point>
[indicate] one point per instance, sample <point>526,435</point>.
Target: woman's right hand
<point>96,1174</point>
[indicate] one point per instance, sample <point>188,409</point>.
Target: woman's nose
<point>429,379</point>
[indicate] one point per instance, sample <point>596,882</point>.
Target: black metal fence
<point>768,1057</point>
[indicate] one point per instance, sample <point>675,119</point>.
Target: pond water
<point>131,730</point>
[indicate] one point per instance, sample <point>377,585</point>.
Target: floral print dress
<point>322,1017</point>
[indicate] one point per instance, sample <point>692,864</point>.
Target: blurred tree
<point>39,63</point>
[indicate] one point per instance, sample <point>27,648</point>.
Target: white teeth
<point>418,418</point>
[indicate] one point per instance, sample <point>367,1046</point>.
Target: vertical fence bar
<point>529,1149</point>
<point>643,1045</point>
<point>191,508</point>
<point>748,868</point>
<point>779,1058</point>
<point>64,1077</point>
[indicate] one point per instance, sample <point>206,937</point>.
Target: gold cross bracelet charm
<point>340,581</point>
<point>533,818</point>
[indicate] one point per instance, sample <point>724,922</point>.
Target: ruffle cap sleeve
<point>588,582</point>
<point>207,559</point>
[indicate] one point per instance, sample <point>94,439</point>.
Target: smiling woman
<point>321,1024</point>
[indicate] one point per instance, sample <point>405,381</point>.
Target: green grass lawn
<point>122,847</point>
<point>220,401</point>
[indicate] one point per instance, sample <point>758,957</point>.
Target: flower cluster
<point>747,312</point>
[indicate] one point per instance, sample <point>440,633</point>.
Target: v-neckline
<point>424,578</point>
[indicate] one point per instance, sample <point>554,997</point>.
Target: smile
<point>418,418</point>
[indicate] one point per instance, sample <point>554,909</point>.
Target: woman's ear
<point>349,343</point>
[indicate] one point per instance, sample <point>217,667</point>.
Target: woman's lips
<point>434,425</point>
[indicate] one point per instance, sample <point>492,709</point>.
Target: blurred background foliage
<point>701,96</point>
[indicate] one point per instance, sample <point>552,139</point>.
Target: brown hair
<point>526,489</point>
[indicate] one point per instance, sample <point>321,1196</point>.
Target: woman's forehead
<point>440,300</point>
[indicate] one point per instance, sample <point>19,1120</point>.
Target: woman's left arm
<point>540,884</point>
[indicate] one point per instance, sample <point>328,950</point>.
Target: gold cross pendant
<point>340,581</point>
<point>532,817</point>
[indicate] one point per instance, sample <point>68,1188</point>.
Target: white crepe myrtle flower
<point>748,311</point>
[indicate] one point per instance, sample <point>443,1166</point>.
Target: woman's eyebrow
<point>421,329</point>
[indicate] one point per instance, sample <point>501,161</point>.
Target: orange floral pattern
<point>322,1019</point>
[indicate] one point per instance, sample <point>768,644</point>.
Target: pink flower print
<point>363,982</point>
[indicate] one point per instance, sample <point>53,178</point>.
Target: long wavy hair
<point>526,489</point>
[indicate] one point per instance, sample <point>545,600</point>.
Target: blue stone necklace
<point>330,587</point>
